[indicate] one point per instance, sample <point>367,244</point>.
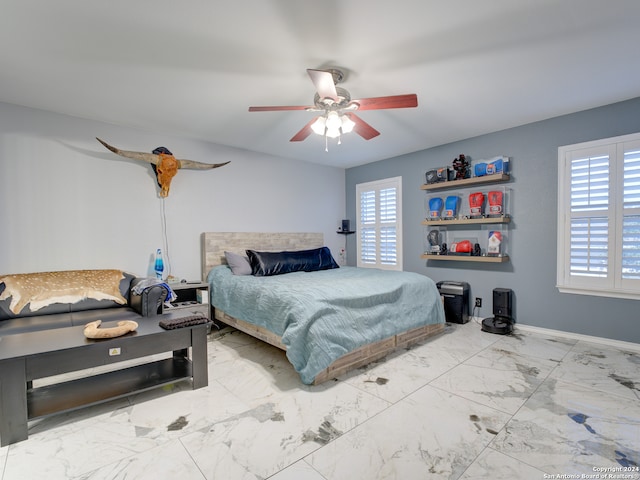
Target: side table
<point>187,298</point>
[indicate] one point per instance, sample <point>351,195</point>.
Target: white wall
<point>68,203</point>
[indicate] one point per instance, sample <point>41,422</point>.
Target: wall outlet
<point>478,302</point>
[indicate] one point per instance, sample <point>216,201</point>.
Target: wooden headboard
<point>214,244</point>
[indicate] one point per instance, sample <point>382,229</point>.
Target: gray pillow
<point>239,264</point>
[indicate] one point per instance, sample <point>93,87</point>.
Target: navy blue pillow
<point>264,264</point>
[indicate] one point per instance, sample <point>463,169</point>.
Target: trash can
<point>455,297</point>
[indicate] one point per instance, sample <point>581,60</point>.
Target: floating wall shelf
<point>467,182</point>
<point>466,258</point>
<point>468,221</point>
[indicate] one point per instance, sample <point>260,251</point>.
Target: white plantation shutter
<point>599,217</point>
<point>589,240</point>
<point>388,255</point>
<point>379,224</point>
<point>589,251</point>
<point>631,248</point>
<point>631,214</point>
<point>367,248</point>
<point>388,218</point>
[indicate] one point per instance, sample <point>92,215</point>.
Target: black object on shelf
<point>345,228</point>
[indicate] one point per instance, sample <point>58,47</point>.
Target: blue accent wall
<point>531,272</point>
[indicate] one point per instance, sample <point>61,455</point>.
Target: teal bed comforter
<point>324,315</point>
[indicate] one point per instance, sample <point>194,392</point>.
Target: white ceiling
<point>193,67</point>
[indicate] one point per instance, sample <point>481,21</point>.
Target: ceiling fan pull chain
<point>326,143</point>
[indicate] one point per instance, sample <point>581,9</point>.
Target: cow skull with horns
<point>164,164</point>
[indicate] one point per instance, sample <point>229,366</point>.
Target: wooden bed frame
<point>214,244</point>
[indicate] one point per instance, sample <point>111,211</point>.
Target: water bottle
<point>159,266</point>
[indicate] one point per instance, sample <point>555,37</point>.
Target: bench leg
<point>199,367</point>
<point>13,402</point>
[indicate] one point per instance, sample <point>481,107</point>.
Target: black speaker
<point>345,226</point>
<point>502,302</point>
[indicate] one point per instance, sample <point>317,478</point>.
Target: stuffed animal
<point>92,330</point>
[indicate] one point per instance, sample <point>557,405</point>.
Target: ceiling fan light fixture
<point>333,124</point>
<point>333,120</point>
<point>318,126</point>
<point>333,132</point>
<point>347,124</point>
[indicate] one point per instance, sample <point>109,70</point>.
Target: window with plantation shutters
<point>379,224</point>
<point>599,217</point>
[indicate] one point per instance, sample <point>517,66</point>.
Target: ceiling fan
<point>338,108</point>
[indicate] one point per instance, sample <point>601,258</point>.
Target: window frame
<point>613,284</point>
<point>377,186</point>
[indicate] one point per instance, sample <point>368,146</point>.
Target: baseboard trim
<point>635,347</point>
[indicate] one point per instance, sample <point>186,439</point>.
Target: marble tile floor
<point>464,405</point>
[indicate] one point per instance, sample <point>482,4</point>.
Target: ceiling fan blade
<point>304,133</point>
<point>323,81</point>
<point>362,128</point>
<point>395,101</point>
<point>277,108</point>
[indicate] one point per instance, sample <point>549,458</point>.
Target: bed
<point>329,321</point>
